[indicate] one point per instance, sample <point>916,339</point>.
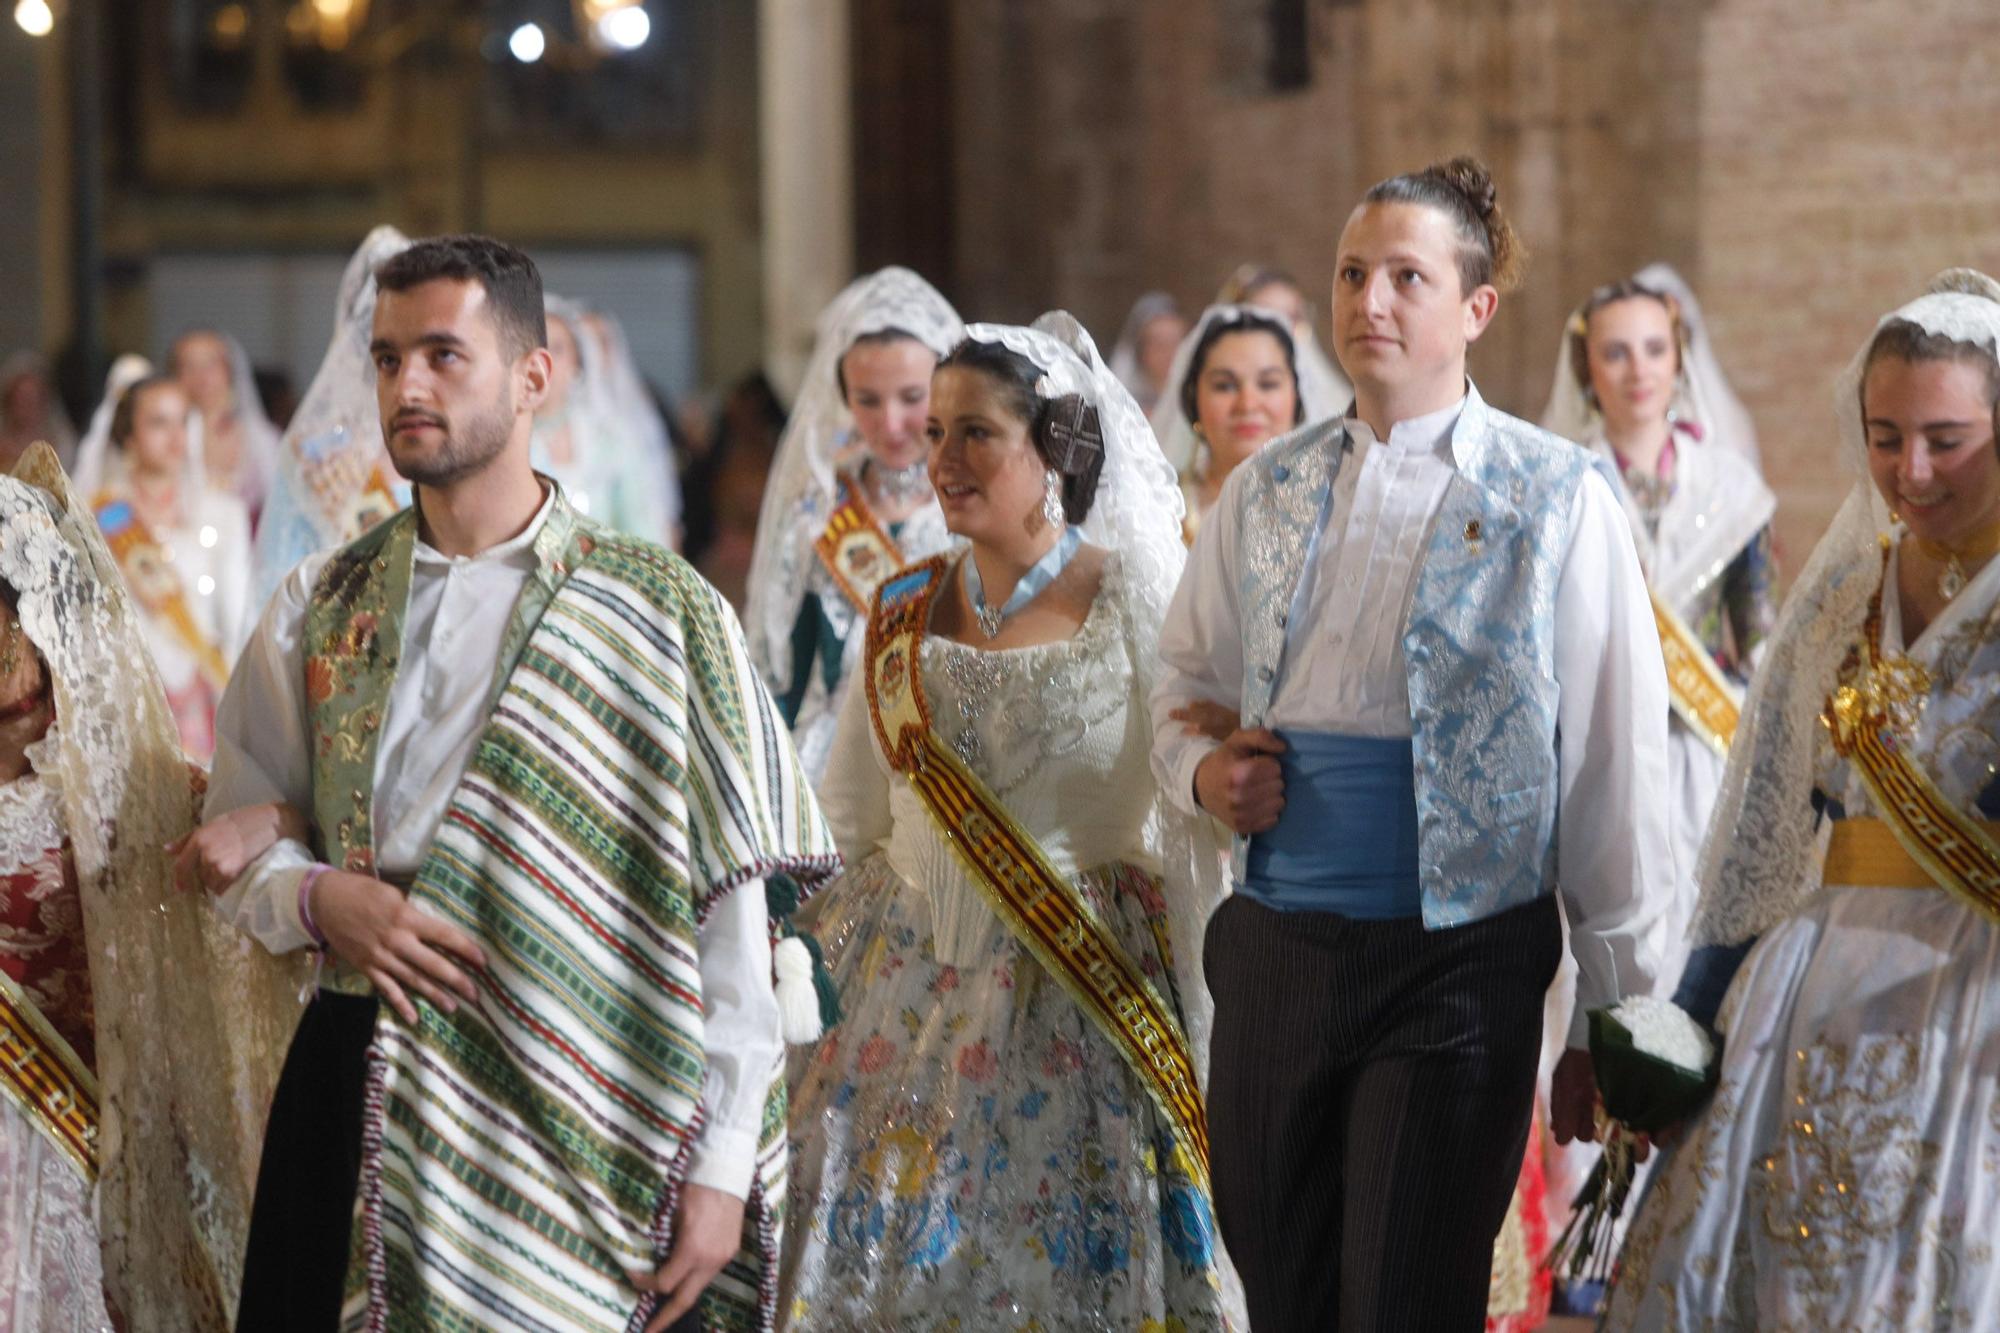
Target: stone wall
<point>1104,147</point>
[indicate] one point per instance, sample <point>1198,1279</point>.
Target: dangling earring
<point>1052,503</point>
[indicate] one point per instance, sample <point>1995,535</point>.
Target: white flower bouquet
<point>1655,1066</point>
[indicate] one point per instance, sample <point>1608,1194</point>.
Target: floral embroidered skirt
<point>969,1152</point>
<point>1846,1175</point>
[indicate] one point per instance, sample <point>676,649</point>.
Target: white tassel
<point>798,1001</point>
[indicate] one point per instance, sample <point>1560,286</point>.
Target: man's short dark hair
<point>513,284</point>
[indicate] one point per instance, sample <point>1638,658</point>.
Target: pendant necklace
<point>1043,573</point>
<point>1953,578</point>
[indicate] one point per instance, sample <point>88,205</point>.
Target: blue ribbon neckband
<point>1037,578</point>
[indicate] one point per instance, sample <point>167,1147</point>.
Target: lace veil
<point>192,1019</point>
<point>1320,397</point>
<point>1137,512</point>
<point>260,435</point>
<point>801,485</point>
<point>1125,352</point>
<point>1704,395</point>
<point>334,442</point>
<point>1760,862</point>
<point>91,455</point>
<point>631,403</point>
<point>1721,501</point>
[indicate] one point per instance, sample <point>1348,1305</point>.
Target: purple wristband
<point>306,882</point>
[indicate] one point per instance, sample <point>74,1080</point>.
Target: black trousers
<point>300,1224</point>
<point>1371,1088</point>
<point>296,1264</point>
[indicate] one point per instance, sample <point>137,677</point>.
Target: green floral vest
<point>353,648</point>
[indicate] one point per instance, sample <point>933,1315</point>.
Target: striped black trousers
<point>1371,1088</point>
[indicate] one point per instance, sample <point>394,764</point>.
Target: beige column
<point>807,160</point>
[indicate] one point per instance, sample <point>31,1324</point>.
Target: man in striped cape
<point>539,1087</point>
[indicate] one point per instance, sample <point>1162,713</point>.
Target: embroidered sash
<point>1701,695</point>
<point>1033,899</point>
<point>156,585</point>
<point>856,549</point>
<point>41,1075</point>
<point>1882,693</point>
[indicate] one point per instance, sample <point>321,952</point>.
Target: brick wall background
<point>1806,166</point>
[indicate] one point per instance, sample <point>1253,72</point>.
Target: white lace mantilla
<point>31,824</point>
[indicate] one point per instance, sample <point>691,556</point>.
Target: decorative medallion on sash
<point>1878,697</point>
<point>1700,694</point>
<point>153,581</point>
<point>42,1076</point>
<point>856,549</point>
<point>1034,900</point>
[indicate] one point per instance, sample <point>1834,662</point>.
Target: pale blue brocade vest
<point>1479,644</point>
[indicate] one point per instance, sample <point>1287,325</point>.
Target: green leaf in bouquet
<point>1642,1090</point>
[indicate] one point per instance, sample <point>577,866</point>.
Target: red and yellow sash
<point>856,549</point>
<point>42,1076</point>
<point>1701,695</point>
<point>1956,851</point>
<point>156,585</point>
<point>1039,905</point>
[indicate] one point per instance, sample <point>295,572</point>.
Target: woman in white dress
<point>184,548</point>
<point>234,438</point>
<point>849,501</point>
<point>140,1041</point>
<point>977,1146</point>
<point>1842,1177</point>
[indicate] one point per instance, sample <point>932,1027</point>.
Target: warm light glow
<point>229,25</point>
<point>34,17</point>
<point>331,23</point>
<point>527,43</point>
<point>625,29</point>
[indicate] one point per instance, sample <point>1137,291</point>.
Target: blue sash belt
<point>1347,840</point>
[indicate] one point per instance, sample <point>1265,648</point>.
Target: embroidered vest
<point>353,648</point>
<point>1478,646</point>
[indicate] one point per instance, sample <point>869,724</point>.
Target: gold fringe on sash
<point>41,1074</point>
<point>1701,695</point>
<point>1036,902</point>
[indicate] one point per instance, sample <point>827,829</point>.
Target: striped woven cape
<point>523,1155</point>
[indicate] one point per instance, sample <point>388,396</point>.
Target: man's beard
<point>462,452</point>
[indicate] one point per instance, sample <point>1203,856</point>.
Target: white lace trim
<point>31,810</point>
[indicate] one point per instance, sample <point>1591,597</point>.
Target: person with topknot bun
<point>1412,668</point>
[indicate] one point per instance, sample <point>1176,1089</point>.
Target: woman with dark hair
<point>1233,388</point>
<point>1842,1174</point>
<point>1006,1130</point>
<point>1263,287</point>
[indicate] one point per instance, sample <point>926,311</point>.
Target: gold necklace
<point>1978,549</point>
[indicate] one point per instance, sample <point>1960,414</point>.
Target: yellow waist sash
<point>1036,902</point>
<point>1867,853</point>
<point>1954,850</point>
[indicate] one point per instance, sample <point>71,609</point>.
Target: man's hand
<point>1573,1098</point>
<point>398,946</point>
<point>1205,717</point>
<point>212,856</point>
<point>708,1231</point>
<point>1240,784</point>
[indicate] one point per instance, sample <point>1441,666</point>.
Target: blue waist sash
<point>1347,840</point>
